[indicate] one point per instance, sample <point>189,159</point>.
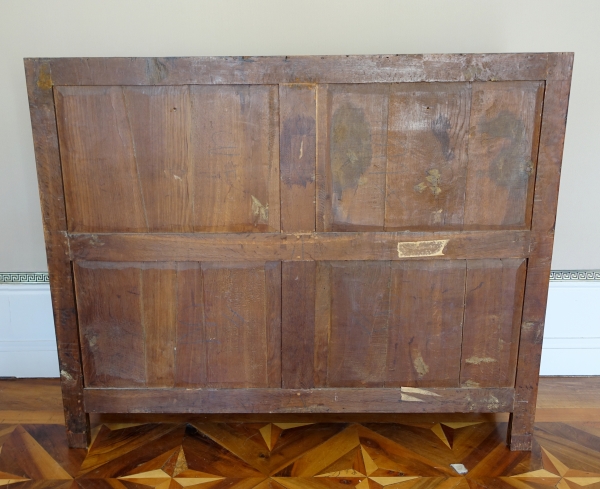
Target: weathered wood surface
<point>309,69</point>
<point>166,324</point>
<point>399,400</point>
<point>299,246</point>
<point>556,102</point>
<point>330,225</point>
<point>48,163</point>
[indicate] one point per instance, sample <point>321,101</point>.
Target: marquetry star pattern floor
<point>299,455</point>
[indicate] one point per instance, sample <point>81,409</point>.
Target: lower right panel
<point>413,323</point>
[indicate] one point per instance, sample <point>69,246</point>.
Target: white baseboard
<point>27,341</point>
<point>571,339</point>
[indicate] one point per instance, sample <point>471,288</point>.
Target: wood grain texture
<point>236,330</point>
<point>322,322</point>
<point>109,304</point>
<point>360,304</point>
<point>298,324</point>
<point>503,147</point>
<point>273,319</point>
<point>101,181</point>
<point>538,273</point>
<point>159,120</point>
<point>357,118</point>
<point>295,247</point>
<point>427,155</point>
<point>297,157</point>
<point>425,327</point>
<point>235,149</point>
<point>331,400</point>
<point>305,69</point>
<point>493,305</point>
<point>190,358</point>
<point>52,200</point>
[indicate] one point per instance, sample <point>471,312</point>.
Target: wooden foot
<point>78,440</point>
<point>519,436</point>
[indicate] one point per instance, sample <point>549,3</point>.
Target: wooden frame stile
<point>305,216</point>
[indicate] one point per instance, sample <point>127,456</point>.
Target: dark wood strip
<point>322,322</point>
<point>298,324</point>
<point>301,69</point>
<point>297,153</point>
<point>49,173</point>
<point>273,322</point>
<point>538,273</point>
<point>300,247</point>
<point>342,400</point>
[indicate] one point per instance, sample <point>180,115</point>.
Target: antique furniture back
<point>300,234</point>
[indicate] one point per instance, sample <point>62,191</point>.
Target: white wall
<point>41,28</point>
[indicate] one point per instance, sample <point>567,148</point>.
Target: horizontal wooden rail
<point>304,69</point>
<point>299,247</point>
<point>329,400</point>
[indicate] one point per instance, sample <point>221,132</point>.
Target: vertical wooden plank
<point>322,322</point>
<point>494,299</point>
<point>428,135</point>
<point>52,200</point>
<point>234,308</point>
<point>323,175</point>
<point>273,286</point>
<point>359,324</point>
<point>235,152</point>
<point>109,299</point>
<point>159,118</point>
<point>357,144</point>
<point>556,102</point>
<point>190,355</point>
<point>298,324</point>
<point>425,331</point>
<point>101,177</point>
<point>297,156</point>
<point>503,141</point>
<point>159,318</point>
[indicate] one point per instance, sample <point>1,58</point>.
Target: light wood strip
<point>299,247</point>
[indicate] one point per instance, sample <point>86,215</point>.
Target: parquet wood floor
<point>370,453</point>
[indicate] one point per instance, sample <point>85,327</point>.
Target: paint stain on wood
<point>432,181</point>
<point>44,81</point>
<point>480,360</point>
<point>413,249</point>
<point>420,366</point>
<point>351,151</point>
<point>260,212</point>
<point>513,163</point>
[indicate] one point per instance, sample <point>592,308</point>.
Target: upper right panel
<point>427,156</point>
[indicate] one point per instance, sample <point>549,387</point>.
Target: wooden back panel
<point>300,223</point>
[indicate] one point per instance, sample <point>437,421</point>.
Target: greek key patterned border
<point>24,278</point>
<point>555,276</point>
<point>575,275</point>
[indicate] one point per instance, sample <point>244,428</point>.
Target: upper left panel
<point>170,159</point>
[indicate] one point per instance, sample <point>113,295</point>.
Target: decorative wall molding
<point>24,278</point>
<point>42,277</point>
<point>574,275</point>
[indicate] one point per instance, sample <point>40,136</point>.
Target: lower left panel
<point>183,324</point>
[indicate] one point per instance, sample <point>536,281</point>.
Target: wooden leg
<point>518,441</point>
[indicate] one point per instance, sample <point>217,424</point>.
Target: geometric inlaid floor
<point>300,455</point>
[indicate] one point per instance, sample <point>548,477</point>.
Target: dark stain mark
<point>351,150</point>
<point>441,131</point>
<point>156,70</point>
<point>512,166</point>
<point>297,146</point>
